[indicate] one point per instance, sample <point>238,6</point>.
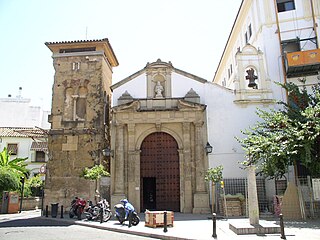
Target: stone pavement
<point>195,226</point>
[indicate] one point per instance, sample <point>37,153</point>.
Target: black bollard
<point>47,209</point>
<point>165,227</point>
<point>61,214</point>
<point>283,236</point>
<point>101,214</point>
<point>214,225</point>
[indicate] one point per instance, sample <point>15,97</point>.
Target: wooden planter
<point>156,218</point>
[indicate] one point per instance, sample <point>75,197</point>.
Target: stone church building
<point>155,126</point>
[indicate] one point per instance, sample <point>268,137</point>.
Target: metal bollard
<point>283,236</point>
<point>47,209</point>
<point>101,214</point>
<point>61,214</point>
<point>165,227</point>
<point>214,225</point>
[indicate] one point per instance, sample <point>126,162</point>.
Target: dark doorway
<point>160,165</point>
<point>149,193</point>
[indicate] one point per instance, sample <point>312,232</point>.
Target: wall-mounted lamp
<point>107,152</point>
<point>208,148</point>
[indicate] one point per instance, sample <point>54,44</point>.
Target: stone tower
<point>79,117</point>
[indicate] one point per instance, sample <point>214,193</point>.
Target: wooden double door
<point>160,173</point>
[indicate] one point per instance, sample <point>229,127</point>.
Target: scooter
<point>77,207</point>
<point>101,211</point>
<point>120,214</point>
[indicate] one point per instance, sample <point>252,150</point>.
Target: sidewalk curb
<point>131,231</point>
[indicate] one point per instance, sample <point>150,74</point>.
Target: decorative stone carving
<point>158,90</point>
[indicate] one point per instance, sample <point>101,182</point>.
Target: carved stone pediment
<point>186,106</point>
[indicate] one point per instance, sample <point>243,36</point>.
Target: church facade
<point>159,133</point>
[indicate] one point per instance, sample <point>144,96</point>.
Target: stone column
<point>131,166</point>
<point>200,183</point>
<point>119,161</point>
<point>201,196</point>
<point>186,175</point>
<point>253,196</point>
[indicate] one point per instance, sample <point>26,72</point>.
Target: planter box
<point>156,218</point>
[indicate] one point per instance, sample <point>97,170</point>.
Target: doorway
<point>160,173</point>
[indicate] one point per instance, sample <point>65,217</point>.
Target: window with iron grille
<point>40,156</point>
<point>12,148</point>
<point>285,5</point>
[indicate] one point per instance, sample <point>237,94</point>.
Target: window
<point>285,5</point>
<point>250,31</point>
<point>229,73</point>
<point>230,68</point>
<point>291,45</point>
<point>246,39</point>
<point>40,156</point>
<point>72,50</point>
<point>75,66</point>
<point>13,148</point>
<point>224,82</point>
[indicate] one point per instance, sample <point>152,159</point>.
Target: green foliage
<point>214,174</point>
<point>32,185</point>
<point>94,173</point>
<point>18,164</point>
<point>287,135</point>
<point>9,179</point>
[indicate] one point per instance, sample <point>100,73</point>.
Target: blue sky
<point>189,33</point>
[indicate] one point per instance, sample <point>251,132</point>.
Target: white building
<point>23,131</point>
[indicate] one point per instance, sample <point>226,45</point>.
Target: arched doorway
<point>160,173</point>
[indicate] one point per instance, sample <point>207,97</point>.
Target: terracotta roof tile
<point>21,132</point>
<point>78,41</point>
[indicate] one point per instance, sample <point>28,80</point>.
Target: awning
<point>39,146</point>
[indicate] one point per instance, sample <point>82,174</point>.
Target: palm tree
<point>18,164</point>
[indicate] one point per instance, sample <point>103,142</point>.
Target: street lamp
<point>107,152</point>
<point>208,148</point>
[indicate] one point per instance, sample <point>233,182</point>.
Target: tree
<point>9,180</point>
<point>214,175</point>
<point>287,135</point>
<point>18,164</point>
<point>11,172</point>
<point>95,173</point>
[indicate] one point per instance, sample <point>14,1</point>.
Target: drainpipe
<point>281,50</point>
<point>314,23</point>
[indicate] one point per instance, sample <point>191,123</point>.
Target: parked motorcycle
<point>101,211</point>
<point>77,207</point>
<point>123,211</point>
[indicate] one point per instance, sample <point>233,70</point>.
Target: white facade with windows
<point>23,131</point>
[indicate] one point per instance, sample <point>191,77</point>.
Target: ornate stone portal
<point>134,121</point>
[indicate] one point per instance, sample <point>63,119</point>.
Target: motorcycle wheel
<point>135,220</point>
<point>107,216</point>
<point>89,217</point>
<point>71,215</point>
<point>79,213</point>
<point>120,221</point>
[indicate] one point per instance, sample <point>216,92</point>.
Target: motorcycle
<point>101,211</point>
<point>77,207</point>
<point>122,213</point>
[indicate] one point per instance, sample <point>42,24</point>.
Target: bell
<point>252,83</point>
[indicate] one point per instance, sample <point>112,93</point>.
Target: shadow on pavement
<point>34,222</point>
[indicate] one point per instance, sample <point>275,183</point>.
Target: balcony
<point>302,63</point>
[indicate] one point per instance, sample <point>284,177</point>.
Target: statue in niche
<point>252,78</point>
<point>158,90</point>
